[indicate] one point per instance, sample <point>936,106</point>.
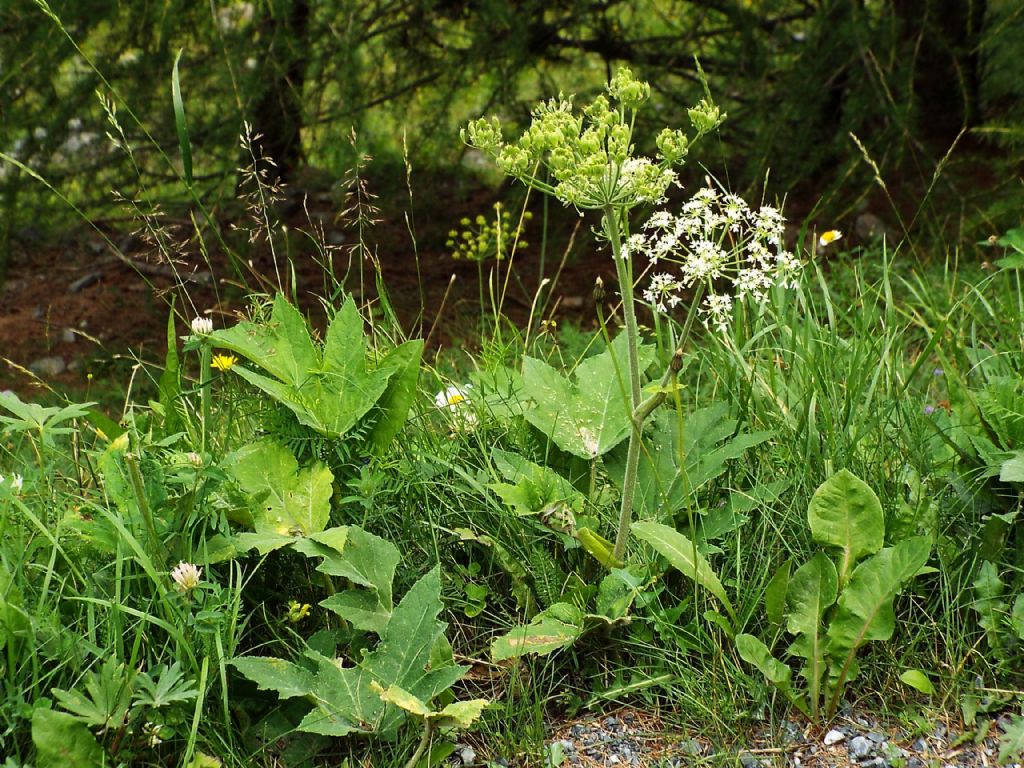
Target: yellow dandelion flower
<point>829,237</point>
<point>223,363</point>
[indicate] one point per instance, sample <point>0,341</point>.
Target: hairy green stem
<point>428,732</point>
<point>611,229</point>
<point>205,384</point>
<point>139,487</point>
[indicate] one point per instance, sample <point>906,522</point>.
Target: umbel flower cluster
<point>715,243</point>
<point>589,157</point>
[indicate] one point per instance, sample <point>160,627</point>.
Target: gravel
<point>635,739</point>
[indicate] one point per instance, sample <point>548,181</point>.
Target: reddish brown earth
<point>119,317</point>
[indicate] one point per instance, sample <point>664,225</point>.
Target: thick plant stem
<point>428,731</point>
<point>611,229</point>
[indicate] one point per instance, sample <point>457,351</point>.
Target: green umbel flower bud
<point>627,90</point>
<point>514,161</point>
<point>483,134</point>
<point>705,117</point>
<point>673,146</point>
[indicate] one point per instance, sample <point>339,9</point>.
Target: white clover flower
<point>17,483</point>
<point>202,326</point>
<point>194,459</point>
<point>186,576</point>
<point>829,237</point>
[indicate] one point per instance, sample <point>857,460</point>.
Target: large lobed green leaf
<point>412,655</point>
<point>591,416</point>
<point>284,500</point>
<point>63,741</point>
<point>556,627</point>
<point>845,513</point>
<point>329,392</point>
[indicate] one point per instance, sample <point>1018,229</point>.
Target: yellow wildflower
<point>223,363</point>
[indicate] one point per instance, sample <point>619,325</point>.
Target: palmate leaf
<point>343,697</point>
<point>591,416</point>
<point>329,392</point>
<point>284,500</point>
<point>845,513</point>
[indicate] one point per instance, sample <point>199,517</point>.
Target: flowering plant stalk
<point>587,160</point>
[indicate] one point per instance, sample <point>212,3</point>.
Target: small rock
<point>860,748</point>
<point>68,336</point>
<point>467,755</point>
<point>869,227</point>
<point>747,760</point>
<point>48,366</point>
<point>877,738</point>
<point>833,737</point>
<point>920,746</point>
<point>84,282</point>
<point>915,762</point>
<point>691,747</point>
<point>939,732</point>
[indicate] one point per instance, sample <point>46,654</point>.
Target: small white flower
<point>453,397</point>
<point>202,326</point>
<point>186,576</point>
<point>455,400</point>
<point>829,237</point>
<point>718,308</point>
<point>634,244</point>
<point>662,293</point>
<point>17,483</point>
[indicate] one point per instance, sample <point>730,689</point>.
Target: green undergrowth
<point>343,547</point>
